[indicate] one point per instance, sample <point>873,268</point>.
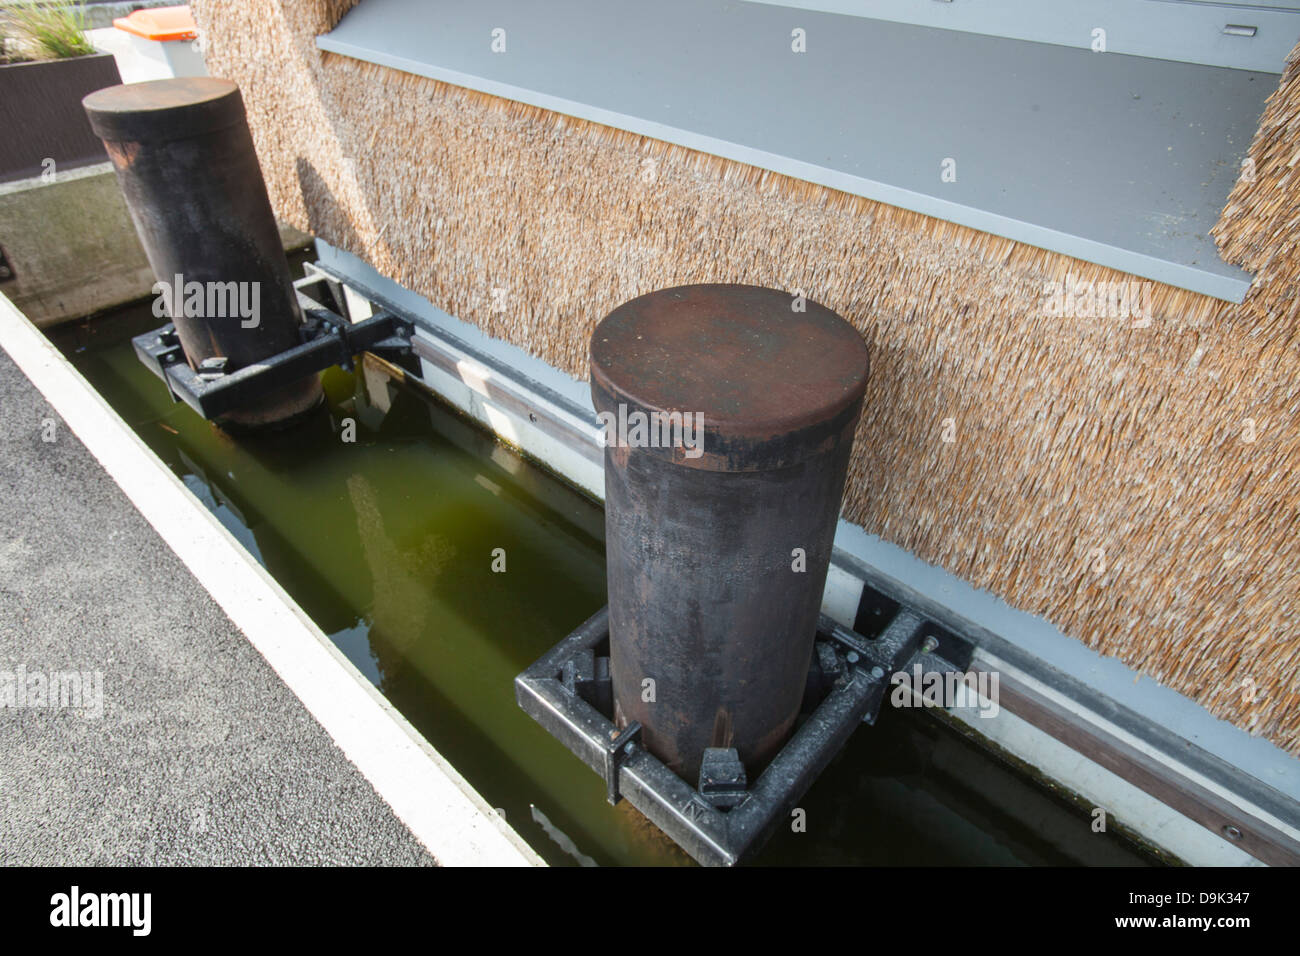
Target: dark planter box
<point>41,114</point>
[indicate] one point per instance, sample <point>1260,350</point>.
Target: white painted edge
<point>65,176</point>
<point>988,661</point>
<point>426,793</point>
<point>469,393</point>
<point>1130,805</point>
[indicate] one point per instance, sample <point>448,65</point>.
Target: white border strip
<point>425,792</point>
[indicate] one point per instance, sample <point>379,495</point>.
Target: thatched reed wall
<point>1136,486</point>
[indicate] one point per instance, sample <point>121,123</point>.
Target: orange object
<point>160,23</point>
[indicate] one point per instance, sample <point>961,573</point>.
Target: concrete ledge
<point>71,248</point>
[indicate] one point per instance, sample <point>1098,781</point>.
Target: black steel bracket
<point>328,338</point>
<point>722,819</point>
<point>617,750</point>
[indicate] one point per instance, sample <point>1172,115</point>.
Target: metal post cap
<point>776,379</point>
<point>161,110</point>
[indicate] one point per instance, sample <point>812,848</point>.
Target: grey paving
<point>201,755</point>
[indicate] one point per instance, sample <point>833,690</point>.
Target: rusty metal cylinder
<point>185,162</point>
<point>720,520</point>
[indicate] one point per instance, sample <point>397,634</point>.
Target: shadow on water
<point>381,516</point>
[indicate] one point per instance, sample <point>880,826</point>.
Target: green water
<point>387,543</point>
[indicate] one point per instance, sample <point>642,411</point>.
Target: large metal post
<point>718,541</point>
<point>186,164</point>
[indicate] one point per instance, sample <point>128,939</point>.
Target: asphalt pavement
<point>167,738</point>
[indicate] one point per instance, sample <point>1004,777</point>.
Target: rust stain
<point>122,154</point>
<point>723,733</point>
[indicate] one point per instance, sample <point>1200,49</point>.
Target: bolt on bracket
<point>328,339</point>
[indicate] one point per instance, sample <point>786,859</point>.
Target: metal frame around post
<point>328,338</point>
<point>850,675</point>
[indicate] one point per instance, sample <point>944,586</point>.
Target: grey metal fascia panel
<point>1119,160</point>
<point>1191,31</point>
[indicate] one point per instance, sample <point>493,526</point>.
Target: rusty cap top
<point>161,110</point>
<point>774,385</point>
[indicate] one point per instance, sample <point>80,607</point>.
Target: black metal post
<point>186,164</point>
<point>719,534</point>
